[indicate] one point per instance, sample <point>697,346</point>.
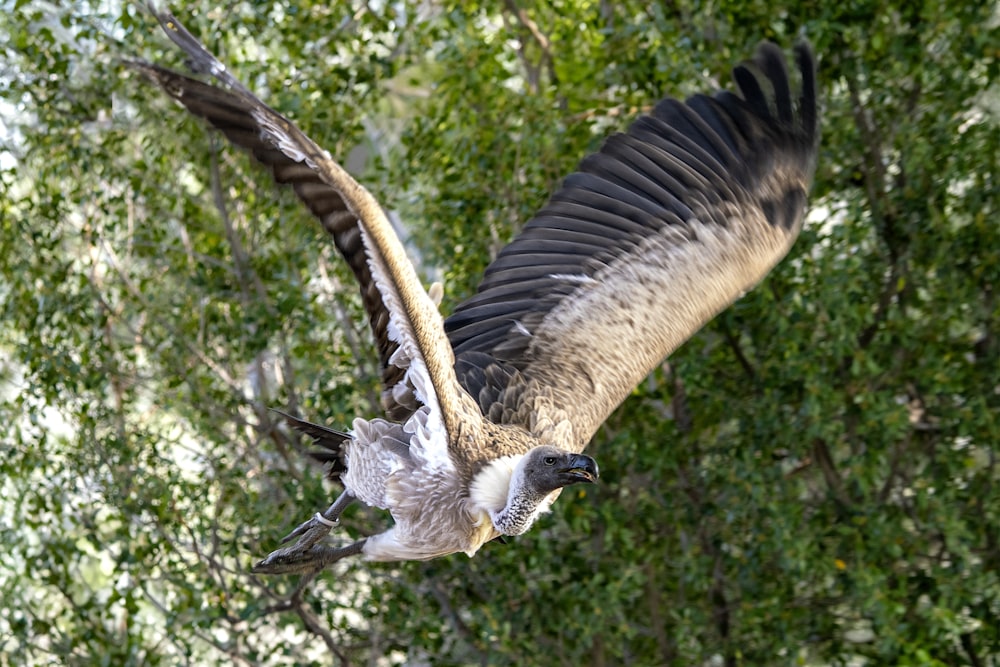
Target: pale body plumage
<point>415,485</point>
<point>489,410</point>
<point>391,469</point>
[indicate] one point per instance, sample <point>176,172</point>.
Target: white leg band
<point>323,520</point>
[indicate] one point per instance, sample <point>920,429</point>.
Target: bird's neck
<point>523,506</point>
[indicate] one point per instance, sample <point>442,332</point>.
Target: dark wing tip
<point>805,58</point>
<point>200,59</point>
<point>764,84</point>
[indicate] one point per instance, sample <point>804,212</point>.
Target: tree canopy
<point>812,479</point>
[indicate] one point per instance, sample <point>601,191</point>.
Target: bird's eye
<point>549,460</point>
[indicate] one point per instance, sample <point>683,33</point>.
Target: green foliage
<point>811,480</point>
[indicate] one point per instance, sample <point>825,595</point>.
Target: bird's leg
<point>330,555</point>
<point>329,518</point>
<point>304,555</point>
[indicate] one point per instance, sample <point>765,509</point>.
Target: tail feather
<point>330,440</point>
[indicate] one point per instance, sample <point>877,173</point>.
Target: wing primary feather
<point>663,183</point>
<point>750,80</point>
<point>808,110</point>
<point>684,120</point>
<point>773,68</point>
<point>655,134</point>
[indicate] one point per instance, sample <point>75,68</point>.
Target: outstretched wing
<point>408,330</point>
<point>667,225</point>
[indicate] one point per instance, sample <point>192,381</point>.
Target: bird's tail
<point>330,440</point>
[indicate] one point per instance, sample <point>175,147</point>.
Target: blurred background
<point>811,480</point>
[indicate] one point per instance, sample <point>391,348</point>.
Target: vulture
<point>488,411</point>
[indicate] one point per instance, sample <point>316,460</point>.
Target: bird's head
<point>547,468</point>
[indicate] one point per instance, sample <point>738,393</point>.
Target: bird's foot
<point>304,555</point>
<point>294,560</point>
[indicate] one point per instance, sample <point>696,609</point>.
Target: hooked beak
<point>582,469</point>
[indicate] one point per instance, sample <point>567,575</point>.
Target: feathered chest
<point>389,467</point>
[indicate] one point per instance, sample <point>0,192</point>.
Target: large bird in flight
<point>489,410</point>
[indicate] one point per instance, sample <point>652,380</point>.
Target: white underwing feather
<point>432,441</point>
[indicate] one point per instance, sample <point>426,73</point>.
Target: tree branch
<point>543,44</point>
<point>821,454</point>
<point>657,624</point>
<point>970,649</point>
<point>734,345</point>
